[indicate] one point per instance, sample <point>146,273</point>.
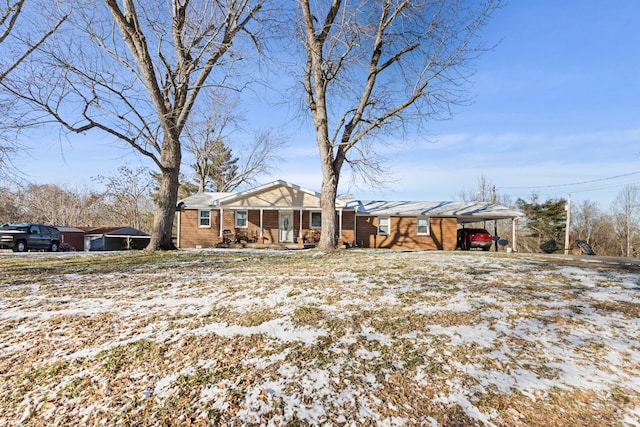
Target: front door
<point>286,226</point>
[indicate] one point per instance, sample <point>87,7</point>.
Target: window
<point>383,225</point>
<point>423,225</point>
<point>241,219</point>
<point>316,219</point>
<point>204,218</point>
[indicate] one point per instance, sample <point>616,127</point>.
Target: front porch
<point>234,227</point>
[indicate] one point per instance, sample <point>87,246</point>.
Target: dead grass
<point>304,338</point>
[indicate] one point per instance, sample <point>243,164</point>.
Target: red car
<point>474,238</point>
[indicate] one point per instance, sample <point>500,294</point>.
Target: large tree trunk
<point>167,196</point>
<point>328,194</point>
<point>330,177</point>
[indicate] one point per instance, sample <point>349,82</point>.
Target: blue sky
<point>556,110</point>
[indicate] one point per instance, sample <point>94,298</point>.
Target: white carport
<point>464,212</point>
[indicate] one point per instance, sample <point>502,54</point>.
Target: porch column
<point>300,232</point>
<point>355,229</point>
<point>340,224</point>
<point>261,216</point>
<point>221,220</point>
<point>178,236</point>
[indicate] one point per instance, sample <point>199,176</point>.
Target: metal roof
<point>204,200</point>
<point>210,200</point>
<point>464,211</point>
<point>114,231</point>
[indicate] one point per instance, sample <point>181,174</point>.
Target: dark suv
<point>22,237</point>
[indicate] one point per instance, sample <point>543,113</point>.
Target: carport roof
<point>463,211</point>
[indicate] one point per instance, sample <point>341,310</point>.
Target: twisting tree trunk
<point>136,68</point>
<point>368,67</point>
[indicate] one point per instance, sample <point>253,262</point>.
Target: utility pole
<point>495,223</point>
<point>566,231</point>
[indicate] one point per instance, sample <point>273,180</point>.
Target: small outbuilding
<point>72,236</point>
<point>114,238</point>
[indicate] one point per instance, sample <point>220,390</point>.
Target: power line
<point>571,184</point>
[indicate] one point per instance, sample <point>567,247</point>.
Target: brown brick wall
<point>348,236</point>
<point>403,234</point>
<point>191,236</point>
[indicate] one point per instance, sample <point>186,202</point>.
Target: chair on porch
<point>246,236</point>
<point>242,236</point>
<point>312,237</point>
<point>228,236</point>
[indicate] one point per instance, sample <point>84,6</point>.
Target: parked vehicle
<point>23,237</point>
<point>474,238</point>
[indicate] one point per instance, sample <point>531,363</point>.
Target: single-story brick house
<point>284,213</point>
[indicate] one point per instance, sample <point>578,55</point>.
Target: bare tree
<point>383,65</point>
<point>206,133</point>
<point>127,196</point>
<point>223,172</point>
<point>257,159</point>
<point>10,208</point>
<point>214,138</point>
<point>585,220</point>
<point>18,45</point>
<point>626,209</point>
<point>133,70</point>
<point>17,42</point>
<point>596,227</point>
<point>54,204</point>
<point>485,191</point>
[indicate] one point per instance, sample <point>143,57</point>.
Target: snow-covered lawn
<point>353,338</point>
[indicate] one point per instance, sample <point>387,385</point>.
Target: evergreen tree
<point>218,170</point>
<point>545,220</point>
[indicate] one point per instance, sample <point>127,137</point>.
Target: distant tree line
<point>126,199</point>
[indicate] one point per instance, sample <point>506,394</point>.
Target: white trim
<point>261,223</point>
<point>221,221</point>
<point>315,227</point>
<point>300,231</point>
<point>355,228</point>
<point>177,237</point>
<point>423,217</point>
<point>200,211</point>
<point>281,230</point>
<point>380,218</point>
<point>235,218</point>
